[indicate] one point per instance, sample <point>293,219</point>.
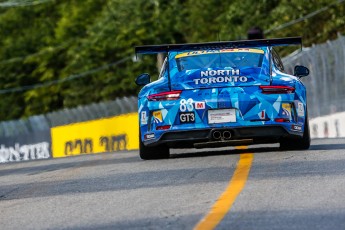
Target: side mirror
<point>301,71</point>
<point>143,79</point>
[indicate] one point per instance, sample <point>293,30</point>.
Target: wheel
<point>152,153</point>
<point>297,144</point>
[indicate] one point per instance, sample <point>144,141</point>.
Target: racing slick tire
<point>153,153</point>
<point>297,144</point>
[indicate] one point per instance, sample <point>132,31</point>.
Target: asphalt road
<point>284,190</point>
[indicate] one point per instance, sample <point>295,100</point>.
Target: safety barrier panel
<point>97,136</point>
<point>328,126</point>
<point>25,147</point>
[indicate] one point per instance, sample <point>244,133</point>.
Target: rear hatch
<point>219,68</point>
<point>226,84</point>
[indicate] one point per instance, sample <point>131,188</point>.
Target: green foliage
<point>57,39</point>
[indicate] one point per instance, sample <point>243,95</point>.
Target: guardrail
<point>326,83</point>
<point>83,130</point>
<point>330,126</point>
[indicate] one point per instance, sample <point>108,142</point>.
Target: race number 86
<point>186,105</point>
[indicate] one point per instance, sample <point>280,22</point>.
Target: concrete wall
<point>329,126</point>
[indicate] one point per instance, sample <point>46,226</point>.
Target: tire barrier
<point>25,147</point>
<point>330,126</point>
<point>97,136</point>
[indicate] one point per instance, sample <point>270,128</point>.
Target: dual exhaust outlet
<point>222,135</point>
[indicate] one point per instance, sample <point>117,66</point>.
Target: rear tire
<point>297,144</point>
<point>153,153</point>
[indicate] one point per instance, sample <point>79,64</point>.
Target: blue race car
<point>222,94</point>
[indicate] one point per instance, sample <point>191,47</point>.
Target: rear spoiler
<point>166,48</point>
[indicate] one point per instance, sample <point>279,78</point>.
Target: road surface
<point>283,190</point>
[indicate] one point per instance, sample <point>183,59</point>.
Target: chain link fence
<point>326,82</point>
<point>68,116</point>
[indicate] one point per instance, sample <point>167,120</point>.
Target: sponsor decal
<point>87,145</point>
<point>114,142</point>
<point>24,152</point>
<point>211,73</point>
<point>200,52</point>
<point>220,76</point>
<point>296,128</point>
<point>263,114</point>
<point>143,118</point>
<point>286,110</point>
<point>149,136</point>
<point>221,116</point>
<point>300,109</point>
<point>200,105</point>
<point>221,79</point>
<point>187,117</point>
<point>157,116</point>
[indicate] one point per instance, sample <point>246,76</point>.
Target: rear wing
<point>166,48</point>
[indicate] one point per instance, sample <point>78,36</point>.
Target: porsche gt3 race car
<point>222,94</point>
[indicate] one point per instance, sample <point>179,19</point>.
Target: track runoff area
<point>249,187</point>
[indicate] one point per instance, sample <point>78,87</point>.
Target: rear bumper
<point>206,137</point>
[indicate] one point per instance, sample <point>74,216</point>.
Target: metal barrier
<point>326,83</point>
<point>67,116</point>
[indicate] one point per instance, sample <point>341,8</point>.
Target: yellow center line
<point>226,200</point>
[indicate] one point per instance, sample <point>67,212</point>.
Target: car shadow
<point>214,152</point>
<point>327,147</point>
<point>256,149</point>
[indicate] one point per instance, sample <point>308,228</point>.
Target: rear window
<point>233,58</point>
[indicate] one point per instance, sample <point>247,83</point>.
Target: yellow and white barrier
<point>96,136</point>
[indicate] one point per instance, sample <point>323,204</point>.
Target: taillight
<point>276,89</point>
<point>165,96</point>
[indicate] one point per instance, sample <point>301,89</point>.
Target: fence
<point>326,83</point>
<point>67,116</point>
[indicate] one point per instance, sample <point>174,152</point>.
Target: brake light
<point>165,96</point>
<point>276,89</point>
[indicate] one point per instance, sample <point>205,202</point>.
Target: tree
<point>82,51</point>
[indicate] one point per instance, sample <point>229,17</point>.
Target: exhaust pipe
<point>216,135</point>
<point>226,135</point>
